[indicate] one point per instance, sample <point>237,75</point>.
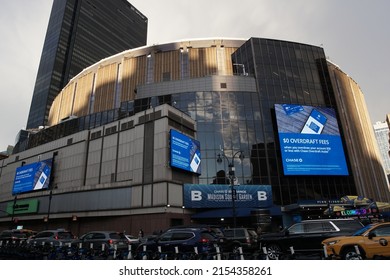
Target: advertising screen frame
<point>32,177</point>
<point>310,140</point>
<point>184,152</point>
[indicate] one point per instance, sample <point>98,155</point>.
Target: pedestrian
<point>140,234</point>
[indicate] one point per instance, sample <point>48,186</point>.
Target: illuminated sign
<point>310,140</point>
<point>32,177</point>
<point>359,212</point>
<point>185,152</point>
<point>220,196</point>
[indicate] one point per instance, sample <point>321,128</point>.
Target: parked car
<point>216,230</point>
<point>132,240</point>
<point>185,239</point>
<point>150,237</point>
<point>246,238</point>
<point>96,239</point>
<point>16,234</point>
<point>306,236</point>
<point>54,237</point>
<point>372,241</point>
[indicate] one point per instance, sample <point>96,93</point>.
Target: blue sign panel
<point>185,152</point>
<point>310,140</point>
<point>220,196</point>
<point>32,177</point>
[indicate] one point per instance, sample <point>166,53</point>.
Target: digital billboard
<point>310,140</point>
<point>220,196</point>
<point>185,152</point>
<point>32,177</point>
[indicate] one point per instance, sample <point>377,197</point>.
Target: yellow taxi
<point>370,242</point>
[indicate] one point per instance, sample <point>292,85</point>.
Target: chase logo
<point>297,160</point>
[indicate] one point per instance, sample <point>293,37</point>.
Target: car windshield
<point>362,230</point>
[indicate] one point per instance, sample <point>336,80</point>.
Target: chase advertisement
<point>310,140</point>
<point>185,152</point>
<point>32,177</point>
<point>220,196</point>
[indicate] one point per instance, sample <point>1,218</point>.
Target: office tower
<point>381,130</point>
<point>80,33</point>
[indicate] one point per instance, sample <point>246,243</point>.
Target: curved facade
<point>105,85</point>
<point>220,91</point>
<point>229,87</point>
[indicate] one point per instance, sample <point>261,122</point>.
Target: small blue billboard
<point>185,152</point>
<point>220,196</point>
<point>310,140</point>
<point>32,177</point>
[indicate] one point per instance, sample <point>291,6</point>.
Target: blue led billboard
<point>32,177</point>
<point>185,152</point>
<point>220,196</point>
<point>310,140</point>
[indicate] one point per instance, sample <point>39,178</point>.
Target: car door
<point>93,240</point>
<point>170,240</point>
<point>315,233</point>
<point>99,238</point>
<point>293,237</point>
<point>165,242</point>
<point>378,242</point>
<point>306,236</point>
<point>183,241</point>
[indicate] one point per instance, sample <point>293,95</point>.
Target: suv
<point>307,236</point>
<point>96,239</point>
<point>185,239</point>
<point>372,241</point>
<point>245,238</point>
<point>55,237</point>
<point>216,230</point>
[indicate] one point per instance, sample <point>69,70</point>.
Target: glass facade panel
<point>286,72</point>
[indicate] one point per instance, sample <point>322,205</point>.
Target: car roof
<point>326,220</point>
<point>102,231</point>
<point>186,229</point>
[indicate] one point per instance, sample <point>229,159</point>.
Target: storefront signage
<point>220,196</point>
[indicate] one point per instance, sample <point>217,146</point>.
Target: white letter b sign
<point>262,195</point>
<point>196,195</point>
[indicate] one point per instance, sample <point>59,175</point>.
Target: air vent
<point>96,134</point>
<point>127,125</point>
<point>110,130</point>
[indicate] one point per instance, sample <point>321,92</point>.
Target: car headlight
<point>331,243</point>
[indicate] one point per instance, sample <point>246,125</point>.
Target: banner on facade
<point>220,196</point>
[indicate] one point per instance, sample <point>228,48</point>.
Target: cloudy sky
<point>354,33</point>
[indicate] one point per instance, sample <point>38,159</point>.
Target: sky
<point>354,34</point>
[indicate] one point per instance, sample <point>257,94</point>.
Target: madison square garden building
<point>148,138</point>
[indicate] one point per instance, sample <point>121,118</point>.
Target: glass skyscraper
<point>80,33</point>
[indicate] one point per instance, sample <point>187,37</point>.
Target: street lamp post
<point>51,184</point>
<point>230,162</point>
<point>14,204</point>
